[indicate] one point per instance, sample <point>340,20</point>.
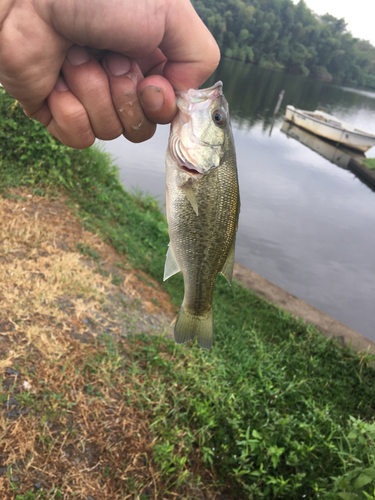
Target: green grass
<point>279,411</point>
<point>39,495</point>
<point>370,163</point>
<point>266,404</point>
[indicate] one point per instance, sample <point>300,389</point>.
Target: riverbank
<point>327,325</point>
<point>363,172</point>
<point>99,401</point>
<point>370,163</point>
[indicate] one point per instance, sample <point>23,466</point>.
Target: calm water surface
<point>305,224</point>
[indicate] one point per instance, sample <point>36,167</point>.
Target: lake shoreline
<point>305,224</point>
<point>365,174</point>
<point>328,326</point>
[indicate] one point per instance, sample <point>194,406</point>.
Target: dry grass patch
<point>50,282</point>
<point>67,436</point>
<point>69,425</point>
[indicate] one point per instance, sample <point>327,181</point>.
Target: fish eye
<point>219,116</point>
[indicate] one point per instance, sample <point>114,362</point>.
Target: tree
<point>278,33</point>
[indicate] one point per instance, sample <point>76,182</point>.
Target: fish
<point>202,206</point>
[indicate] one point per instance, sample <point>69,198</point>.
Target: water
<point>305,224</point>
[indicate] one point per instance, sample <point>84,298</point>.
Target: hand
<point>102,68</point>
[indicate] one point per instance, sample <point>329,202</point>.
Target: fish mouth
<point>199,95</point>
<point>189,169</point>
<point>190,151</point>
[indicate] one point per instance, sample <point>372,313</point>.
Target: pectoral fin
<point>227,270</point>
<point>171,267</point>
<point>191,196</point>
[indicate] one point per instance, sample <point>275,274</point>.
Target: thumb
<point>192,52</point>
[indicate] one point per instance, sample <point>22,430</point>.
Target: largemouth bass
<point>202,206</point>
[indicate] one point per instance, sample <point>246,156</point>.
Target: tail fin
<point>189,326</point>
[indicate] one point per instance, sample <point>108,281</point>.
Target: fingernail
<point>118,65</point>
<point>61,85</point>
<point>77,55</point>
<point>152,98</point>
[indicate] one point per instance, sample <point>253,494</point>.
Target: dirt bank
<point>362,172</point>
<point>329,326</point>
<point>57,277</point>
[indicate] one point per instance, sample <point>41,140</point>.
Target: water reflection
<point>253,92</point>
<point>308,226</point>
<point>305,224</point>
<point>338,155</point>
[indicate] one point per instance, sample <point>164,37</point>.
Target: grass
<point>370,163</point>
<point>273,411</point>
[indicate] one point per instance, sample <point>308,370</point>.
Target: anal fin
<point>227,270</point>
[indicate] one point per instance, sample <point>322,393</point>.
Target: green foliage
<point>370,163</point>
<point>88,251</point>
<point>28,144</point>
<point>40,495</point>
<point>279,34</point>
<point>359,481</point>
<point>264,406</point>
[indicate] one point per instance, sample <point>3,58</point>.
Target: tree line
<point>281,35</point>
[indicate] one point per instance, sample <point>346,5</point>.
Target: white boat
<point>330,127</point>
